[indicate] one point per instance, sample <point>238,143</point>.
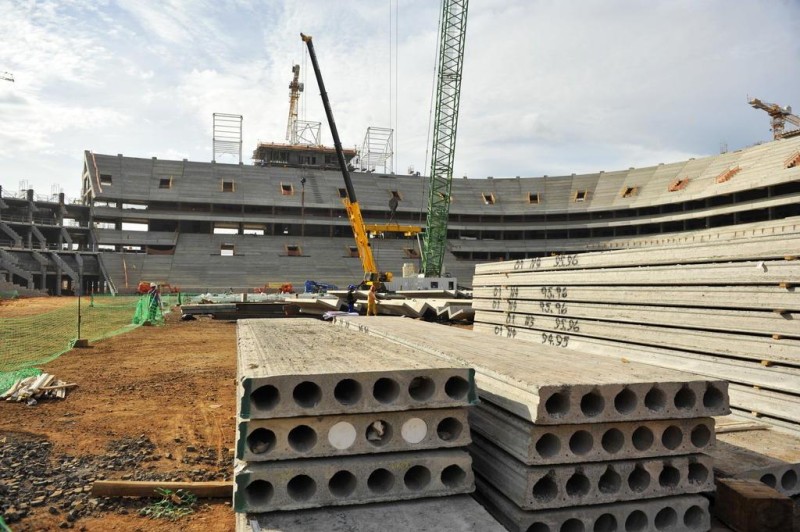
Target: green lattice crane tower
<point>448,93</point>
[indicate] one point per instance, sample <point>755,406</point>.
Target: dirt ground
<point>174,384</point>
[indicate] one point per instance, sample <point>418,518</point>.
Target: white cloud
<point>549,87</point>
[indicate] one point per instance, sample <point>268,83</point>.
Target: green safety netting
<point>29,341</point>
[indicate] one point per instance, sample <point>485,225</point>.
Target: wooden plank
<point>135,488</point>
<point>738,297</point>
<point>750,506</point>
<point>786,324</point>
<point>560,333</point>
<point>758,249</point>
<point>734,273</point>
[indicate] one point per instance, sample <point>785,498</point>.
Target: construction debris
<point>33,389</point>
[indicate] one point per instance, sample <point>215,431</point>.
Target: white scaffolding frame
<point>376,150</point>
<point>227,139</point>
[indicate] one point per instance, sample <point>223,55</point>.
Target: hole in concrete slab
<point>701,436</point>
<point>301,488</point>
<point>610,481</point>
<point>261,441</point>
<point>613,440</point>
<point>414,430</point>
<point>307,394</point>
<point>769,479</point>
<point>672,437</point>
<point>453,476</point>
<point>669,477</point>
<point>625,401</point>
<point>605,523</point>
<point>421,388</point>
<point>666,519</point>
<point>557,405</point>
<point>342,435</point>
<point>259,492</point>
<point>694,517</point>
<point>548,445</point>
<point>636,521</point>
<point>655,400</point>
<point>538,527</point>
<point>380,481</point>
<point>347,391</point>
<point>639,479</point>
<point>685,398</point>
<point>456,388</point>
<point>592,404</point>
<point>449,429</point>
<point>789,480</point>
<point>379,433</point>
<point>342,484</point>
<point>642,438</point>
<point>545,489</point>
<point>265,397</point>
<point>385,390</point>
<point>698,473</point>
<point>302,438</point>
<point>417,477</point>
<point>713,397</point>
<point>572,525</point>
<point>578,485</point>
<point>581,442</point>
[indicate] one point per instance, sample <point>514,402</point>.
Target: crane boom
<point>779,115</point>
<point>371,273</point>
<point>453,31</point>
<point>295,88</point>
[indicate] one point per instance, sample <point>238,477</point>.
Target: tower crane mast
<point>779,115</point>
<point>295,88</point>
<point>452,34</point>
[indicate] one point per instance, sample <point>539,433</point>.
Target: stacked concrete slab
<point>719,310</point>
<point>566,441</point>
<point>328,418</point>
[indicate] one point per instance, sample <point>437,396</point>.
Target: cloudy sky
<point>549,86</point>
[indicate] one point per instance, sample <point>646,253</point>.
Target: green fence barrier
<point>29,341</point>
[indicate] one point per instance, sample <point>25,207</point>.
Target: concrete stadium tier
<point>550,386</point>
<point>305,367</point>
<point>688,513</point>
<point>565,444</point>
<point>339,435</point>
<point>562,486</point>
<point>296,484</point>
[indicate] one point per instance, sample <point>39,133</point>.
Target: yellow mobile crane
<point>360,231</point>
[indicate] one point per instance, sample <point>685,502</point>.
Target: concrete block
<point>313,483</point>
<point>299,367</point>
<point>750,506</point>
<point>341,435</point>
<point>553,386</point>
<point>592,442</point>
<point>458,512</point>
<point>560,486</point>
<point>738,462</point>
<point>687,513</point>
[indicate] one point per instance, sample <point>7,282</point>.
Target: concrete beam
<point>687,513</point>
<point>561,486</point>
<point>296,484</point>
<point>737,462</point>
<point>734,273</point>
<point>761,249</point>
<point>458,512</point>
<point>299,367</point>
<point>334,435</point>
<point>553,386</point>
<point>594,442</point>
